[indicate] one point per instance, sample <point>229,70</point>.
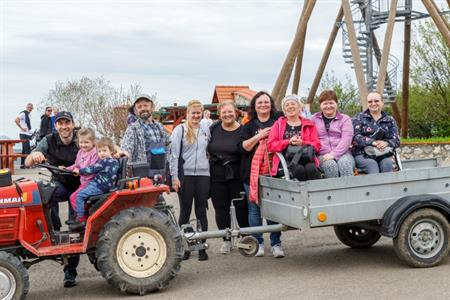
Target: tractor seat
<point>97,200</point>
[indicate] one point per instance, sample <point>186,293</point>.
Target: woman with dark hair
<point>224,164</point>
<point>335,131</point>
<point>46,123</point>
<point>255,162</point>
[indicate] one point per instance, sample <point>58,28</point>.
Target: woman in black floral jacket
<point>376,137</point>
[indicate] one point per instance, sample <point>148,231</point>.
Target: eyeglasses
<point>49,110</point>
<point>373,101</point>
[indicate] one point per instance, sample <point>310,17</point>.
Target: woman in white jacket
<point>189,167</point>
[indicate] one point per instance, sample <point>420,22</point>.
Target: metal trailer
<point>412,206</point>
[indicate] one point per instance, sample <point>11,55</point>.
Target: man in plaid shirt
<point>145,140</point>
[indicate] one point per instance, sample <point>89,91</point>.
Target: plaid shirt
<point>138,136</point>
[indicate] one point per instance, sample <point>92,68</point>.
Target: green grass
<point>429,140</point>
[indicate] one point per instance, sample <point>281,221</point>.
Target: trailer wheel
<point>139,250</point>
<point>422,240</point>
<point>250,244</point>
<point>14,281</point>
<point>355,236</point>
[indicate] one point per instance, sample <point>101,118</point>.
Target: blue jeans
<point>254,219</point>
<point>371,166</point>
<point>90,190</point>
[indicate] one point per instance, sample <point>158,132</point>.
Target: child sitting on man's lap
<point>106,175</point>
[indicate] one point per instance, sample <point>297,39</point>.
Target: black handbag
<point>303,154</point>
<point>295,155</point>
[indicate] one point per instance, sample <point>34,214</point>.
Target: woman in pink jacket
<point>294,130</point>
<point>336,133</point>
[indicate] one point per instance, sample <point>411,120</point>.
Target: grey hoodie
<point>195,159</point>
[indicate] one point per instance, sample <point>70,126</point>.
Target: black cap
<point>64,115</point>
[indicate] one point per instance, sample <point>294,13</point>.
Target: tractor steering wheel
<point>55,170</point>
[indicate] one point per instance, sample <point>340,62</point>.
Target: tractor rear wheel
<point>14,281</point>
<point>139,250</point>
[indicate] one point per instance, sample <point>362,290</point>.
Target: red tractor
<point>130,236</point>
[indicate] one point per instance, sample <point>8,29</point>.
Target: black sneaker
<point>202,255</point>
<point>69,279</point>
<point>186,255</point>
<point>77,226</point>
<point>70,221</point>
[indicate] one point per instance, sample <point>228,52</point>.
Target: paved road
<point>316,266</point>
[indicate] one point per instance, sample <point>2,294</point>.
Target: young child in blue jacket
<point>105,170</point>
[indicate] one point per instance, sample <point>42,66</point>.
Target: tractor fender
<point>397,212</point>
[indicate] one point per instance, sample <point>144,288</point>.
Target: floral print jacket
<point>367,130</point>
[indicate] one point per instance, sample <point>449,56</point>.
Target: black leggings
<point>194,187</point>
<point>221,195</point>
<point>306,172</point>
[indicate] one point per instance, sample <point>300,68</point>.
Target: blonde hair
<point>190,133</point>
<point>87,132</point>
<point>106,142</point>
<point>226,103</point>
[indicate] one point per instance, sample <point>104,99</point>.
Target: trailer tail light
<point>321,216</point>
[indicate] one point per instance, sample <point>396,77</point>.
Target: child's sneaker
<point>79,224</point>
<point>277,251</point>
<point>226,247</point>
<point>260,252</point>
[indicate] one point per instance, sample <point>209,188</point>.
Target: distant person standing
<point>206,121</point>
<point>52,119</point>
<point>46,123</point>
<point>23,121</point>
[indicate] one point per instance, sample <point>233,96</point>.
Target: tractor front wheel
<point>14,282</point>
<point>139,250</point>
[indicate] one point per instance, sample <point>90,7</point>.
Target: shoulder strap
<point>181,142</point>
<point>279,128</point>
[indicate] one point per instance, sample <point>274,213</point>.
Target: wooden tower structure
<point>374,67</point>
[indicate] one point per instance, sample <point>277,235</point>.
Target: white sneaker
<point>277,251</point>
<point>260,252</point>
<point>226,247</point>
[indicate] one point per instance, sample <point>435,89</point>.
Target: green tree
<point>430,76</point>
<point>347,93</point>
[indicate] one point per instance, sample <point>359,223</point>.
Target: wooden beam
<point>440,22</point>
<point>299,62</point>
<point>386,47</point>
<point>355,53</point>
<point>405,79</point>
<point>325,56</point>
<point>442,17</point>
<point>288,64</point>
<point>394,105</point>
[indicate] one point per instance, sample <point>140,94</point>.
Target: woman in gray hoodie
<point>189,167</point>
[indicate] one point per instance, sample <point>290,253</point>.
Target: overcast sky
<point>179,49</point>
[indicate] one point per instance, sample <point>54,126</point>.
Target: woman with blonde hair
<point>189,167</point>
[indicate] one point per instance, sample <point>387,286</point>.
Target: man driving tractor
<point>60,149</point>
